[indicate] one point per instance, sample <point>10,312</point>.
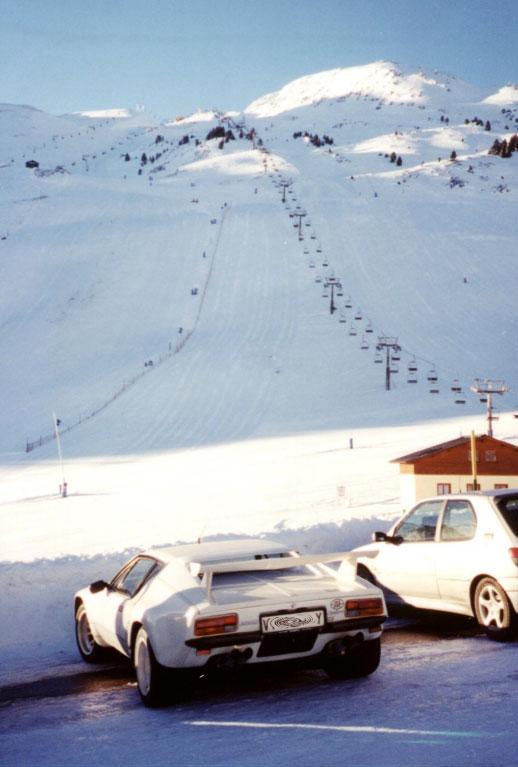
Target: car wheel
<point>493,610</point>
<point>361,661</point>
<point>90,651</point>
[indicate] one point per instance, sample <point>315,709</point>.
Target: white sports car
<point>182,611</point>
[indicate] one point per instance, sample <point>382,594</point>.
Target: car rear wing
<point>270,564</point>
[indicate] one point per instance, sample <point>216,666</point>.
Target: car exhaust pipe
<point>344,645</point>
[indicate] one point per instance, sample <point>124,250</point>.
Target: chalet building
<point>447,468</point>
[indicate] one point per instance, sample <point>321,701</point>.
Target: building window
<point>443,488</point>
<point>501,486</point>
<point>470,486</point>
<point>490,455</point>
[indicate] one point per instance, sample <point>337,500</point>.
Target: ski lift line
<point>130,383</point>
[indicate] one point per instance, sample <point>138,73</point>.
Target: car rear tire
<point>493,610</point>
<point>361,661</point>
<point>90,651</point>
<point>151,675</point>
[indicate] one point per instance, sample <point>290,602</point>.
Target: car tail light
<point>360,608</point>
<point>219,624</point>
<point>513,553</point>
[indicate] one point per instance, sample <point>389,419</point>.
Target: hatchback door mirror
<point>98,586</point>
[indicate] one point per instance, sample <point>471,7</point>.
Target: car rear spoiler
<point>270,563</point>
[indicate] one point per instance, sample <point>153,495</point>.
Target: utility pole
<point>332,283</point>
<point>486,388</point>
<point>390,345</point>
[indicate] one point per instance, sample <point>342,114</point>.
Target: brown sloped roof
<point>428,451</point>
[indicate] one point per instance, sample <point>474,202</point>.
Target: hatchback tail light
<point>513,553</point>
<point>360,608</point>
<point>219,624</point>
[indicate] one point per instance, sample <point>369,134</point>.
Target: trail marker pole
<point>63,487</point>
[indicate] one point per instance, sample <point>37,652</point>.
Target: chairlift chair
<point>456,387</point>
<point>318,278</point>
<point>432,376</point>
<point>358,315</point>
<point>311,264</point>
<point>353,331</point>
<point>343,320</point>
<point>412,378</point>
<point>434,389</point>
<point>325,262</point>
<point>378,359</point>
<point>364,343</point>
<point>348,303</point>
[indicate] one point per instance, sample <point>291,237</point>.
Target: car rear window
<point>508,507</point>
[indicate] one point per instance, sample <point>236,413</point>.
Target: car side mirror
<point>98,586</point>
<point>379,537</point>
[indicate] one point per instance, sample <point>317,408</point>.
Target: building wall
<point>414,487</point>
<point>493,457</point>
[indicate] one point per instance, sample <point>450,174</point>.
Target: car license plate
<point>292,621</point>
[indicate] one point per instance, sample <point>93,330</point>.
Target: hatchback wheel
<point>494,611</point>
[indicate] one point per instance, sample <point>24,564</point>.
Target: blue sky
<point>174,56</point>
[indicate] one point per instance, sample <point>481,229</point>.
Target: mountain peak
<point>381,80</point>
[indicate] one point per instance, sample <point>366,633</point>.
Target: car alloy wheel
<point>90,651</point>
<point>493,610</point>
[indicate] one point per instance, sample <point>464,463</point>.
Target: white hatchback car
<point>454,553</point>
<point>182,611</point>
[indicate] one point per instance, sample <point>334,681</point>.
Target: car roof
<point>218,551</point>
<point>493,494</point>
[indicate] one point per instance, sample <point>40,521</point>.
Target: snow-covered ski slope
<point>170,305</point>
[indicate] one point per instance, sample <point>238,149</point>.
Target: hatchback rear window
<point>508,507</point>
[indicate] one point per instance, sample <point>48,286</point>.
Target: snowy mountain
<point>159,296</point>
<point>381,81</point>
